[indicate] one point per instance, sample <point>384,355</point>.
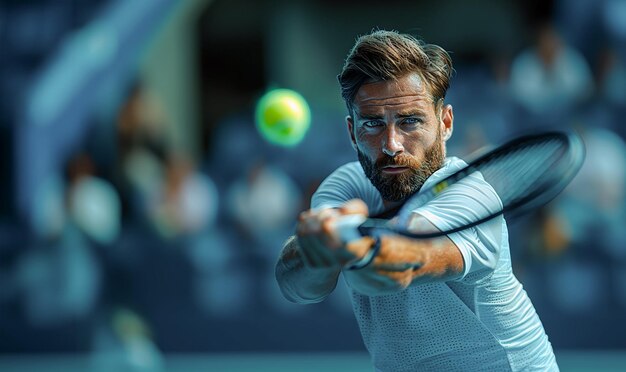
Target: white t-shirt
<point>481,321</point>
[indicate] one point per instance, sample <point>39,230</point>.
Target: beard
<point>401,186</point>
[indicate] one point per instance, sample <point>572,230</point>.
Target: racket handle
<point>347,227</point>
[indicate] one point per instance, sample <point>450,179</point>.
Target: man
<point>445,304</point>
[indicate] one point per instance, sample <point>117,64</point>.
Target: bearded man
<point>444,304</point>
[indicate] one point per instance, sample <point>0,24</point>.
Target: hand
<point>320,245</point>
<point>397,264</point>
<point>403,261</point>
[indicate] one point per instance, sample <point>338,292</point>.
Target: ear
<point>350,123</point>
<point>447,121</point>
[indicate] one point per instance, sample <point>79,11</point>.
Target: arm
<point>473,251</point>
<point>437,259</point>
<point>300,283</point>
<point>310,262</point>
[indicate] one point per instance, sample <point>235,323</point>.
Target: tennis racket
<point>520,175</point>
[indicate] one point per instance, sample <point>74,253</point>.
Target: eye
<point>412,121</point>
<point>373,124</point>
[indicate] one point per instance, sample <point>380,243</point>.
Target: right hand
<point>320,244</point>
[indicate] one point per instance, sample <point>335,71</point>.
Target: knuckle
<point>303,216</point>
<point>354,206</point>
<point>327,226</point>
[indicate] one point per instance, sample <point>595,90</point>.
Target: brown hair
<point>388,55</point>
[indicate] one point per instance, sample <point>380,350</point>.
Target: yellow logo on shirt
<point>440,187</point>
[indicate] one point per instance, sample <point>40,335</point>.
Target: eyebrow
<point>400,115</point>
<point>368,116</point>
<point>405,113</point>
<point>410,113</point>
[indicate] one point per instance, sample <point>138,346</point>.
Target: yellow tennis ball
<point>283,117</point>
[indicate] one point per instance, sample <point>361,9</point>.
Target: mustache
<point>398,160</point>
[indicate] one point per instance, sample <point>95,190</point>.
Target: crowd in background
<point>138,248</point>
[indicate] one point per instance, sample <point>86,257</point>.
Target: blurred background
<point>141,212</point>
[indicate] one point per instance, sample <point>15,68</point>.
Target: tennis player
<point>444,304</point>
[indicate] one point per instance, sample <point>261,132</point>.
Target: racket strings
<point>522,172</point>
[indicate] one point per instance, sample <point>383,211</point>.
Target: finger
<point>328,213</point>
<point>304,215</point>
<point>309,225</point>
<point>310,222</point>
<point>329,231</point>
<point>315,253</point>
<point>354,206</point>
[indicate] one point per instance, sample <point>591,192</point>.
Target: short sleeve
<point>461,204</point>
<point>346,183</point>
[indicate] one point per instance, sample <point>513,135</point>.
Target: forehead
<point>409,90</point>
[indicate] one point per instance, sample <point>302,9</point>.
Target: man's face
<point>399,134</point>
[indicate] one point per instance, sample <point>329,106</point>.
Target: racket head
<point>525,174</point>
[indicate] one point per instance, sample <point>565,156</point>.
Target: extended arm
<point>300,283</point>
<point>402,262</point>
<point>310,262</point>
<point>309,265</point>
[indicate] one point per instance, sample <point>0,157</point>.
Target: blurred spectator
<point>550,77</point>
<point>588,218</point>
<point>93,202</point>
<point>61,276</point>
<point>141,121</point>
<point>593,209</point>
<point>264,202</point>
<point>142,150</point>
<point>187,201</point>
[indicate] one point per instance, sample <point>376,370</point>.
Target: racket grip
<point>347,227</point>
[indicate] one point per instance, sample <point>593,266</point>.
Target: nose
<point>392,143</point>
